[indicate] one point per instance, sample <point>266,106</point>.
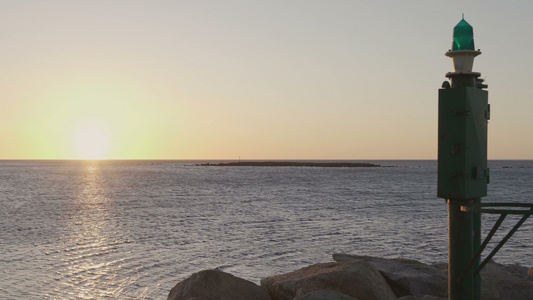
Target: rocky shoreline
<point>351,277</point>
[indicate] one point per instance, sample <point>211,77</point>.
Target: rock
<point>505,282</point>
<point>216,285</point>
<point>358,279</point>
<point>325,295</point>
<point>423,298</point>
<point>515,270</point>
<point>407,277</point>
<point>407,298</point>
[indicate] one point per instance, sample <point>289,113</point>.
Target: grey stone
<point>324,295</point>
<point>407,298</point>
<point>357,279</point>
<point>506,282</point>
<point>407,277</point>
<point>216,285</point>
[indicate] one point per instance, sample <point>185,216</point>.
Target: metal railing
<point>503,209</point>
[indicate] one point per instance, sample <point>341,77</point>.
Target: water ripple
<point>132,230</point>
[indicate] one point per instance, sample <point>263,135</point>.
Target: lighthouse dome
<point>463,36</point>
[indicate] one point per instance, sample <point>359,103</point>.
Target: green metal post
<point>476,218</point>
<point>460,285</point>
<point>462,161</point>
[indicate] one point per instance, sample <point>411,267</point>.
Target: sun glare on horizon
<point>92,139</point>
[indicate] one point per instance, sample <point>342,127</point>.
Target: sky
<point>338,79</point>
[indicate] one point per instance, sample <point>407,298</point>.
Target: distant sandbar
<point>290,164</point>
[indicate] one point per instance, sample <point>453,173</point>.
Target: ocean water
<point>133,229</point>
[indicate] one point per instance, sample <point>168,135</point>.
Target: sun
<point>92,138</point>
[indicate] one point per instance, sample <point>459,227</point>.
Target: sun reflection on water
<point>89,261</point>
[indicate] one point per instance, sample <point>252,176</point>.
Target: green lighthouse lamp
<point>463,51</point>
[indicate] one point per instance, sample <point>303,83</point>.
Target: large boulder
<point>423,298</point>
<point>356,279</point>
<point>506,282</point>
<point>324,295</point>
<point>407,277</point>
<point>216,285</point>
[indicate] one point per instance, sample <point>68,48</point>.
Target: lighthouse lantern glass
<point>463,36</point>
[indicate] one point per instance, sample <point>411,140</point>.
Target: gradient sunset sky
<point>124,79</point>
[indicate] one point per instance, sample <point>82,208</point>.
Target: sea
<point>134,229</point>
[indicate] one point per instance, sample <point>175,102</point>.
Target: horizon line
<point>232,159</point>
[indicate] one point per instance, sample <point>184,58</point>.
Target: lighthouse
<point>462,159</point>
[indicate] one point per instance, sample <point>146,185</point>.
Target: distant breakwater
<point>290,164</point>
